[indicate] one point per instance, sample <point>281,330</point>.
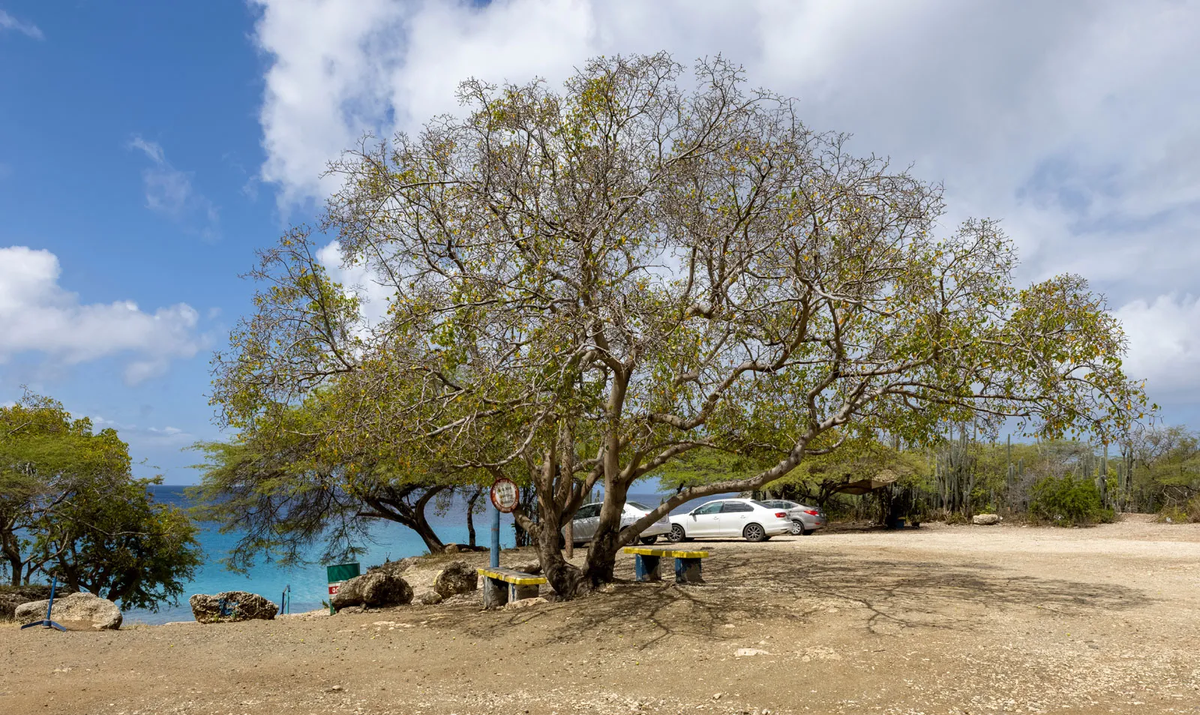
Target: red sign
<point>505,495</point>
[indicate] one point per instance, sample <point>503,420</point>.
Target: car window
<point>712,508</point>
<point>587,512</point>
<point>637,505</point>
<point>735,506</point>
<point>765,505</point>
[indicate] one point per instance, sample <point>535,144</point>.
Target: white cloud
<point>38,315</point>
<point>359,282</point>
<point>1074,122</point>
<point>169,192</point>
<point>8,22</point>
<point>1164,338</point>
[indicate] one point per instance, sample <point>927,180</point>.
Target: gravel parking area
<point>963,619</point>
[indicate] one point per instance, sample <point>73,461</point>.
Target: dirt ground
<point>935,620</point>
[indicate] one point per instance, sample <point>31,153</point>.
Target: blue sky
<point>147,149</point>
<point>130,147</point>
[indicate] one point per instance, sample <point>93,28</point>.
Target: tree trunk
<point>471,517</point>
<point>566,580</point>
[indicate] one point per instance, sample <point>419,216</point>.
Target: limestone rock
<point>11,597</point>
<point>747,652</point>
<point>77,610</point>
<point>985,519</point>
<point>532,567</point>
<point>524,603</point>
<point>230,606</point>
<point>429,598</point>
<point>375,588</point>
<point>456,578</point>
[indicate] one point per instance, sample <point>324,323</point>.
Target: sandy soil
<point>936,620</point>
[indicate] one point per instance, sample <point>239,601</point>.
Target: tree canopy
<point>70,505</point>
<point>588,284</point>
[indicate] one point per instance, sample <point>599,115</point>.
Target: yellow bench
<point>646,563</point>
<point>497,582</point>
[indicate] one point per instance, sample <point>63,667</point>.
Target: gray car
<point>805,519</point>
<point>587,519</point>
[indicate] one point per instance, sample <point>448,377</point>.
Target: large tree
<point>69,505</point>
<point>587,284</point>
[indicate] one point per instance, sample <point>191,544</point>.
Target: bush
<point>1067,501</point>
<point>1184,513</point>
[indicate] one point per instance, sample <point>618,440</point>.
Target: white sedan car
<point>749,519</point>
<point>587,518</point>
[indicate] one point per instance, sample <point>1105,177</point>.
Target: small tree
<point>588,285</point>
<point>69,505</point>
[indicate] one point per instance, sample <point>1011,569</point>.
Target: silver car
<point>587,520</point>
<point>749,519</point>
<point>805,519</point>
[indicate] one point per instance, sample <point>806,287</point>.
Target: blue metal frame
<point>46,622</point>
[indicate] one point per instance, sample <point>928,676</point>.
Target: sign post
<point>337,575</point>
<point>505,497</point>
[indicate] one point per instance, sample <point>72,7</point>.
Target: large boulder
<point>529,567</point>
<point>376,588</point>
<point>74,611</point>
<point>13,596</point>
<point>456,578</point>
<point>231,606</point>
<point>985,519</point>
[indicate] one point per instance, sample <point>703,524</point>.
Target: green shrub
<point>1184,513</point>
<point>1068,501</point>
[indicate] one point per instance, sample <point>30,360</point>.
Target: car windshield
<point>637,505</point>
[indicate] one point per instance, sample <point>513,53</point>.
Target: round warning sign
<point>505,495</point>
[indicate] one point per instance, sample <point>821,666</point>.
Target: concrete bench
<point>687,563</point>
<point>497,582</point>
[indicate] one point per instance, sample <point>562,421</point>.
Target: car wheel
<point>647,540</point>
<point>677,533</point>
<point>797,527</point>
<point>754,532</point>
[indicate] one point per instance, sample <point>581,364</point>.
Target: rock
<point>376,588</point>
<point>531,567</point>
<point>456,578</point>
<point>11,597</point>
<point>525,603</point>
<point>985,519</point>
<point>745,652</point>
<point>452,549</point>
<point>231,606</point>
<point>429,598</point>
<point>76,610</point>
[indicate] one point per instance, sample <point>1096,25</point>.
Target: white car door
<point>585,522</point>
<point>705,521</point>
<point>734,517</point>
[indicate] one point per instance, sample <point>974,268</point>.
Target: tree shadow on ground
<point>878,595</point>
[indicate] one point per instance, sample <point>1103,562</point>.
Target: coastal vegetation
<point>588,286</point>
<point>70,506</point>
<point>283,486</point>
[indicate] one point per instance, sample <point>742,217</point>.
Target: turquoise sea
<point>308,583</point>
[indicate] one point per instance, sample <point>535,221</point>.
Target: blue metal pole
<point>495,537</point>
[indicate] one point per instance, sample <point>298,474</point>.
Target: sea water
<point>308,583</point>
